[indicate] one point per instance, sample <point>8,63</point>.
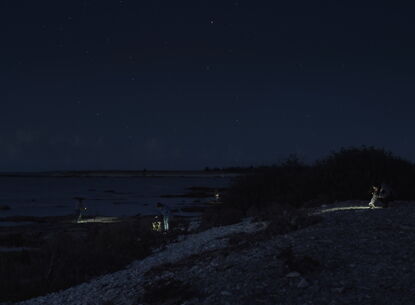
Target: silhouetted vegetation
<point>72,255</point>
<point>219,216</point>
<point>343,175</point>
<point>282,184</point>
<point>348,174</point>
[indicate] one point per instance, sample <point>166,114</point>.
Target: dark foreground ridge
<point>354,255</point>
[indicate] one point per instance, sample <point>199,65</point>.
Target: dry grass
<point>73,254</point>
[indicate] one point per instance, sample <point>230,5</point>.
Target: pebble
<point>293,274</point>
<point>303,283</point>
<point>338,290</point>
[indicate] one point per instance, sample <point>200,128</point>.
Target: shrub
<point>68,258</point>
<point>343,175</point>
<point>220,216</point>
<point>349,173</point>
<point>289,184</point>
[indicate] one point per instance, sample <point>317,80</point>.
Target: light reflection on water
<point>105,196</point>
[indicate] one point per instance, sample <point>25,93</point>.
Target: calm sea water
<point>105,196</point>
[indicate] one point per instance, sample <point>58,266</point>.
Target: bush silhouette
<point>343,175</point>
<point>349,173</point>
<point>287,184</point>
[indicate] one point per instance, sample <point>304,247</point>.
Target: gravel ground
<point>355,255</point>
<point>125,286</point>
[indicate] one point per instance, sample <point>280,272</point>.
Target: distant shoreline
<point>120,173</point>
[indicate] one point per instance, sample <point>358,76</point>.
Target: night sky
<point>131,84</point>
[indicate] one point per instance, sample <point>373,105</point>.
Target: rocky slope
<point>353,256</point>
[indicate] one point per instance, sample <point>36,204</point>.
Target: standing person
<point>375,196</point>
<point>385,194</point>
<point>79,209</point>
<point>166,212</point>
